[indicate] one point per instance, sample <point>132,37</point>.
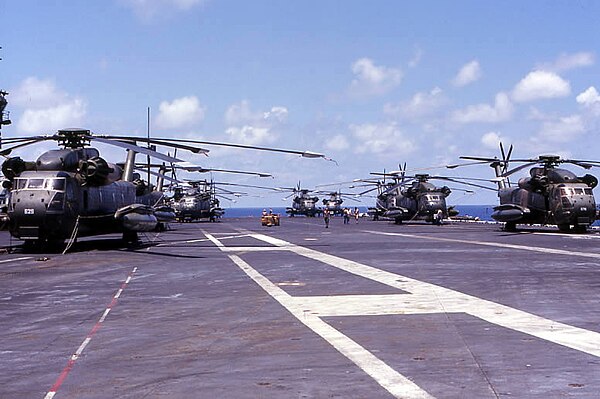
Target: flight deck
<point>371,309</point>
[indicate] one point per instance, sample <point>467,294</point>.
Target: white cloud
<point>372,80</point>
<point>381,139</point>
<point>540,85</point>
<point>149,9</point>
<point>46,120</point>
<point>181,112</point>
<point>491,140</point>
<point>567,62</point>
<point>500,112</point>
<point>339,142</point>
<point>38,93</point>
<point>46,107</point>
<point>421,104</point>
<point>469,73</point>
<point>416,59</point>
<point>254,127</point>
<point>589,97</point>
<point>561,130</point>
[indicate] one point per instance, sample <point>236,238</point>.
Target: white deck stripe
<point>493,244</point>
<point>394,382</point>
<point>431,296</point>
<point>16,259</point>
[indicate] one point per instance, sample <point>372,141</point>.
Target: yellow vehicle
<point>270,220</point>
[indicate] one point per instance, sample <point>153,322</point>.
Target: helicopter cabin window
<point>565,191</point>
<point>588,191</point>
<point>20,183</point>
<point>578,191</point>
<point>35,183</point>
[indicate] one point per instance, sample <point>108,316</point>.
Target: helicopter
<point>408,198</point>
<point>302,203</point>
<point>549,195</point>
<point>334,201</point>
<point>73,192</point>
<point>199,201</point>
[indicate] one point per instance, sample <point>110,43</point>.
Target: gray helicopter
<point>334,201</point>
<point>302,203</point>
<point>549,195</point>
<point>73,192</point>
<point>413,197</point>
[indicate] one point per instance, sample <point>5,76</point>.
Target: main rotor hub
<point>550,160</point>
<point>73,138</point>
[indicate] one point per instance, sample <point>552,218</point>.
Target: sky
<point>369,84</point>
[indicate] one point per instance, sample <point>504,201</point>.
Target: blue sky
<point>370,84</point>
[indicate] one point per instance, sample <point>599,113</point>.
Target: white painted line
<point>450,301</point>
<point>118,294</point>
<point>493,244</point>
<point>394,382</point>
<point>16,259</point>
<point>214,240</point>
<point>106,312</point>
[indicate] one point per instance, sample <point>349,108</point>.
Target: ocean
<point>483,212</point>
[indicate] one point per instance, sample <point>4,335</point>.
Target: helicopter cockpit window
<point>588,191</point>
<point>35,183</point>
<point>20,184</point>
<point>57,184</point>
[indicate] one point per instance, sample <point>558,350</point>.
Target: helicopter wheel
<point>398,221</point>
<point>130,238</point>
<point>565,227</point>
<point>510,226</point>
<point>580,229</point>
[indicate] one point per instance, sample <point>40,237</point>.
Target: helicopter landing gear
<point>580,229</point>
<point>130,238</point>
<point>510,226</point>
<point>397,221</point>
<point>43,245</point>
<point>564,227</point>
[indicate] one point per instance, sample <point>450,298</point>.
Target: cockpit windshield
<point>54,183</point>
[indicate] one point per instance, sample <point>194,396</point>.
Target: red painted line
<point>65,373</point>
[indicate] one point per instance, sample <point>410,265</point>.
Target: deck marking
<point>73,358</point>
<point>16,259</point>
<point>493,244</point>
<point>431,296</point>
<point>394,382</point>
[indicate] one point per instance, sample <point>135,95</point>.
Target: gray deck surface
<point>369,310</point>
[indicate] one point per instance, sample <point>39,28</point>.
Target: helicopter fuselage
<point>421,201</point>
<point>304,205</point>
<point>549,196</point>
<point>565,205</point>
<point>48,205</point>
<point>197,205</point>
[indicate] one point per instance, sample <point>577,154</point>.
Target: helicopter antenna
<point>148,156</point>
<point>4,115</point>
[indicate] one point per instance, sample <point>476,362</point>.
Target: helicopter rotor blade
<point>304,154</point>
<point>156,174</point>
<point>139,149</point>
<point>518,168</point>
<point>468,184</point>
